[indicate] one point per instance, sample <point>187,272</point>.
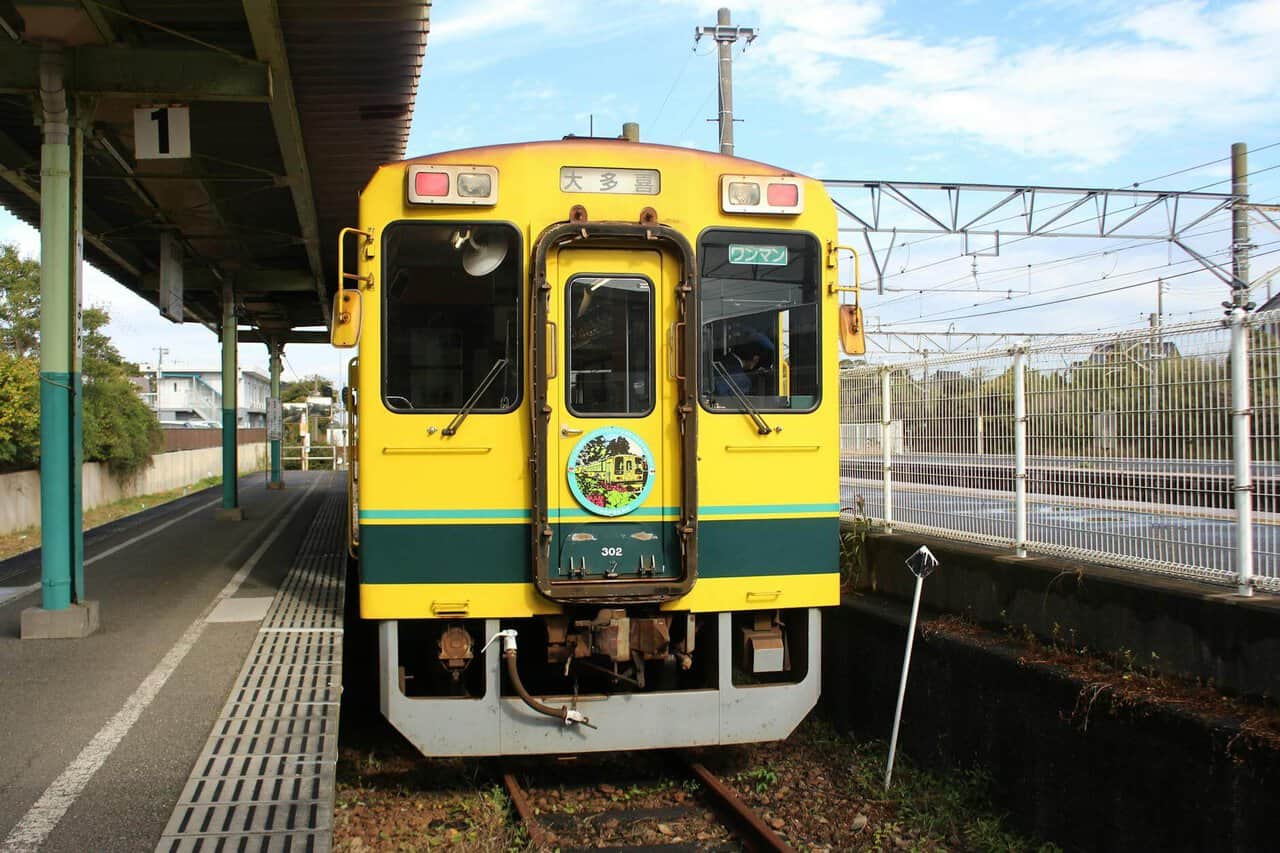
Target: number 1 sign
<point>162,132</point>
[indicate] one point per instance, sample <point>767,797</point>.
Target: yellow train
<point>594,490</point>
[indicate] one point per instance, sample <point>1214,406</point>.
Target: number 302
<point>611,552</point>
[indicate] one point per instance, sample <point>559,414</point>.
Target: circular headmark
<point>610,471</point>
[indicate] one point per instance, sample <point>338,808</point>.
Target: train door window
<point>451,315</point>
<point>760,331</point>
<point>609,333</point>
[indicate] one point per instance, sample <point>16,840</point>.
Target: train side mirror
<point>344,329</point>
<point>852,339</point>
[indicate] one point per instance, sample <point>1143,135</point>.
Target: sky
<point>1046,92</point>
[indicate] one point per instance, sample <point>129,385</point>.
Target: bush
<point>119,429</point>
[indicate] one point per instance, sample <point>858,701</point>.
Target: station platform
<point>204,710</point>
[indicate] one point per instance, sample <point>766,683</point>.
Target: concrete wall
<point>20,491</point>
<point>1172,625</point>
<point>1072,763</point>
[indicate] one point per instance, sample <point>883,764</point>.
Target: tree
<point>119,429</point>
<point>19,303</point>
<point>314,385</point>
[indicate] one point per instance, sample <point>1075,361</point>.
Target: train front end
<point>595,493</point>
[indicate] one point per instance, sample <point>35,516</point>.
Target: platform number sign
<point>162,132</point>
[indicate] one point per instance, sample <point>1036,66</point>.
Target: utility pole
<point>1240,226</point>
<point>726,35</point>
<point>1241,408</point>
<point>161,352</point>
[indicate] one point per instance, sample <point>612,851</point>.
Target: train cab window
<point>451,317</point>
<point>759,304</point>
<point>609,334</point>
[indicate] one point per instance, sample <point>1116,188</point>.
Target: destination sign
<point>769,256</point>
<point>587,179</point>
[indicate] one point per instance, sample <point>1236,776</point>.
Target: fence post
<point>1020,451</point>
<point>886,446</point>
<point>1241,451</point>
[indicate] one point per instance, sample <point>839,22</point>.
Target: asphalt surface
<point>58,694</point>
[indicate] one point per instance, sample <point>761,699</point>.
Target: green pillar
<point>277,352</point>
<point>58,376</point>
<point>230,467</point>
<point>63,612</point>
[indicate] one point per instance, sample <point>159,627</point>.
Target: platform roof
<point>293,104</point>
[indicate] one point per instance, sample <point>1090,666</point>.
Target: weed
<point>853,550</point>
<point>762,778</point>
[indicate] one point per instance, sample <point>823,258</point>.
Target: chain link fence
<point>1129,449</point>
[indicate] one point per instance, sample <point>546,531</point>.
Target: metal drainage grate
<point>265,779</point>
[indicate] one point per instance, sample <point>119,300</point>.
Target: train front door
<point>613,442</point>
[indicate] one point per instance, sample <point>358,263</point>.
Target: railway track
<point>703,813</point>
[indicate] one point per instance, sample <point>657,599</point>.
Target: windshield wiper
<point>474,399</point>
<point>761,427</point>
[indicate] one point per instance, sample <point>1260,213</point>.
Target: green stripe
<point>425,514</point>
<point>499,553</point>
<point>445,553</point>
<point>768,546</point>
<point>766,509</point>
<point>574,513</point>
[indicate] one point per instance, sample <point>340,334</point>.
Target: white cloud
<point>1135,75</point>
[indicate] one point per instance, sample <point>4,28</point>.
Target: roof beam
<point>247,281</point>
<point>263,17</point>
<point>148,74</point>
<point>293,336</point>
<point>11,152</point>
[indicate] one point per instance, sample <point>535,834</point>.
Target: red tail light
<point>783,195</point>
<point>433,183</point>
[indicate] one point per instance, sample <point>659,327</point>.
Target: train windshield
<point>451,311</point>
<point>759,306</point>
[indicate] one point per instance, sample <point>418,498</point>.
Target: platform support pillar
<point>277,355</point>
<point>62,612</point>
<point>231,510</point>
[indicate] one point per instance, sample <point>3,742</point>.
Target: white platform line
<point>13,593</point>
<point>34,827</point>
<point>89,561</point>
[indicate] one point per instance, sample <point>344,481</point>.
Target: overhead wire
<point>1021,268</point>
<point>1086,282</point>
<point>946,315</point>
<point>676,82</point>
<point>1023,237</point>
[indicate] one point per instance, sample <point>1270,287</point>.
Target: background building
<point>194,395</point>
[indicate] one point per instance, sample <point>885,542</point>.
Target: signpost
<point>275,419</point>
<point>170,277</point>
<point>162,132</point>
<point>921,563</point>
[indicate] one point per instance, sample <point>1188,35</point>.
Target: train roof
<point>598,144</point>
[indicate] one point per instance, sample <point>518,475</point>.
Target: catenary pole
<point>725,35</point>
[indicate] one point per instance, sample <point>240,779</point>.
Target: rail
<point>734,814</point>
<point>1155,450</point>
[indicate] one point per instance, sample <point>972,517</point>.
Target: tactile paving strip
<point>264,781</point>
